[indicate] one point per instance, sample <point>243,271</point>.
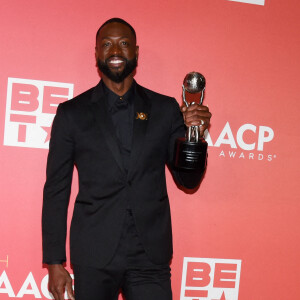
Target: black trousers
<point>130,272</point>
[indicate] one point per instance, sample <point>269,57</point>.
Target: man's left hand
<point>196,115</point>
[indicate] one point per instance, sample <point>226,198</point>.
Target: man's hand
<point>59,280</point>
<point>196,115</point>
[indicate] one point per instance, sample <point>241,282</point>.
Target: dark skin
<point>196,115</point>
<point>59,281</point>
<point>116,42</point>
<point>116,39</point>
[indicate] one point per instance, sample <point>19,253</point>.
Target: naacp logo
<point>248,142</point>
<point>210,279</point>
<point>30,109</point>
<point>30,286</point>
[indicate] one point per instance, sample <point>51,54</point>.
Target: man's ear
<point>96,55</point>
<point>137,52</point>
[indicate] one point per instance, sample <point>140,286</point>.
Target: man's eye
<point>123,43</point>
<point>107,44</point>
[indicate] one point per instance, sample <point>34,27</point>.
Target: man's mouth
<point>115,62</point>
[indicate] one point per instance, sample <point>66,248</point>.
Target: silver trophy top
<point>194,82</point>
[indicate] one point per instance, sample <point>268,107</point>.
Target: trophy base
<point>190,156</point>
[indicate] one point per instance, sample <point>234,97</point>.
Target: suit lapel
<point>104,123</point>
<point>141,105</point>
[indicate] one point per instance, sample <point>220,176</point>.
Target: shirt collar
<point>111,97</point>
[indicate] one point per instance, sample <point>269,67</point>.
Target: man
<point>120,136</point>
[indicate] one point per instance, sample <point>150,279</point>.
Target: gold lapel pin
<point>142,116</point>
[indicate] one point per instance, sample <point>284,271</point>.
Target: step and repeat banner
<point>238,236</point>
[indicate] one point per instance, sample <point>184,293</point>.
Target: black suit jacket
<point>83,135</point>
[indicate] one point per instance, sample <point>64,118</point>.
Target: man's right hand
<point>59,280</point>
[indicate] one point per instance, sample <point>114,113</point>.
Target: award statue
<point>191,151</point>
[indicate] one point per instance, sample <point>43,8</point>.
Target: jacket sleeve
<point>57,189</point>
<point>188,179</point>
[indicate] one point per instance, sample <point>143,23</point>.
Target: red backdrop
<point>247,208</point>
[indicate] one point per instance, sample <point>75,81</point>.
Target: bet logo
<point>30,109</point>
<point>210,279</point>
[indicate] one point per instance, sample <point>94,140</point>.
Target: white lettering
<point>229,141</point>
<point>44,287</point>
<point>262,138</point>
<point>232,154</point>
<point>208,138</point>
<point>242,155</point>
<point>239,136</point>
<point>222,153</point>
<point>8,288</point>
<point>25,290</point>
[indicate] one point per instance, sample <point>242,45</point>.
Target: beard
<point>117,77</point>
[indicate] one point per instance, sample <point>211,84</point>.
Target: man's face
<point>116,51</point>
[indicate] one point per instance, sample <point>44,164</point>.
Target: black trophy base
<point>190,156</point>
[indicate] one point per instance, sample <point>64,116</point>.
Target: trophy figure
<point>191,151</point>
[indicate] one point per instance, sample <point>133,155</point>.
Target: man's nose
<point>116,50</point>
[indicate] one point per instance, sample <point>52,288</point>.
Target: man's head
<point>116,20</point>
<point>116,49</point>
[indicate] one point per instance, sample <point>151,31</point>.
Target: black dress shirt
<point>121,111</point>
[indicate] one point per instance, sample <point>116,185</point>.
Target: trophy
<point>191,151</point>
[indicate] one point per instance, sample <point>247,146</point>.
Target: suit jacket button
<point>129,183</point>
